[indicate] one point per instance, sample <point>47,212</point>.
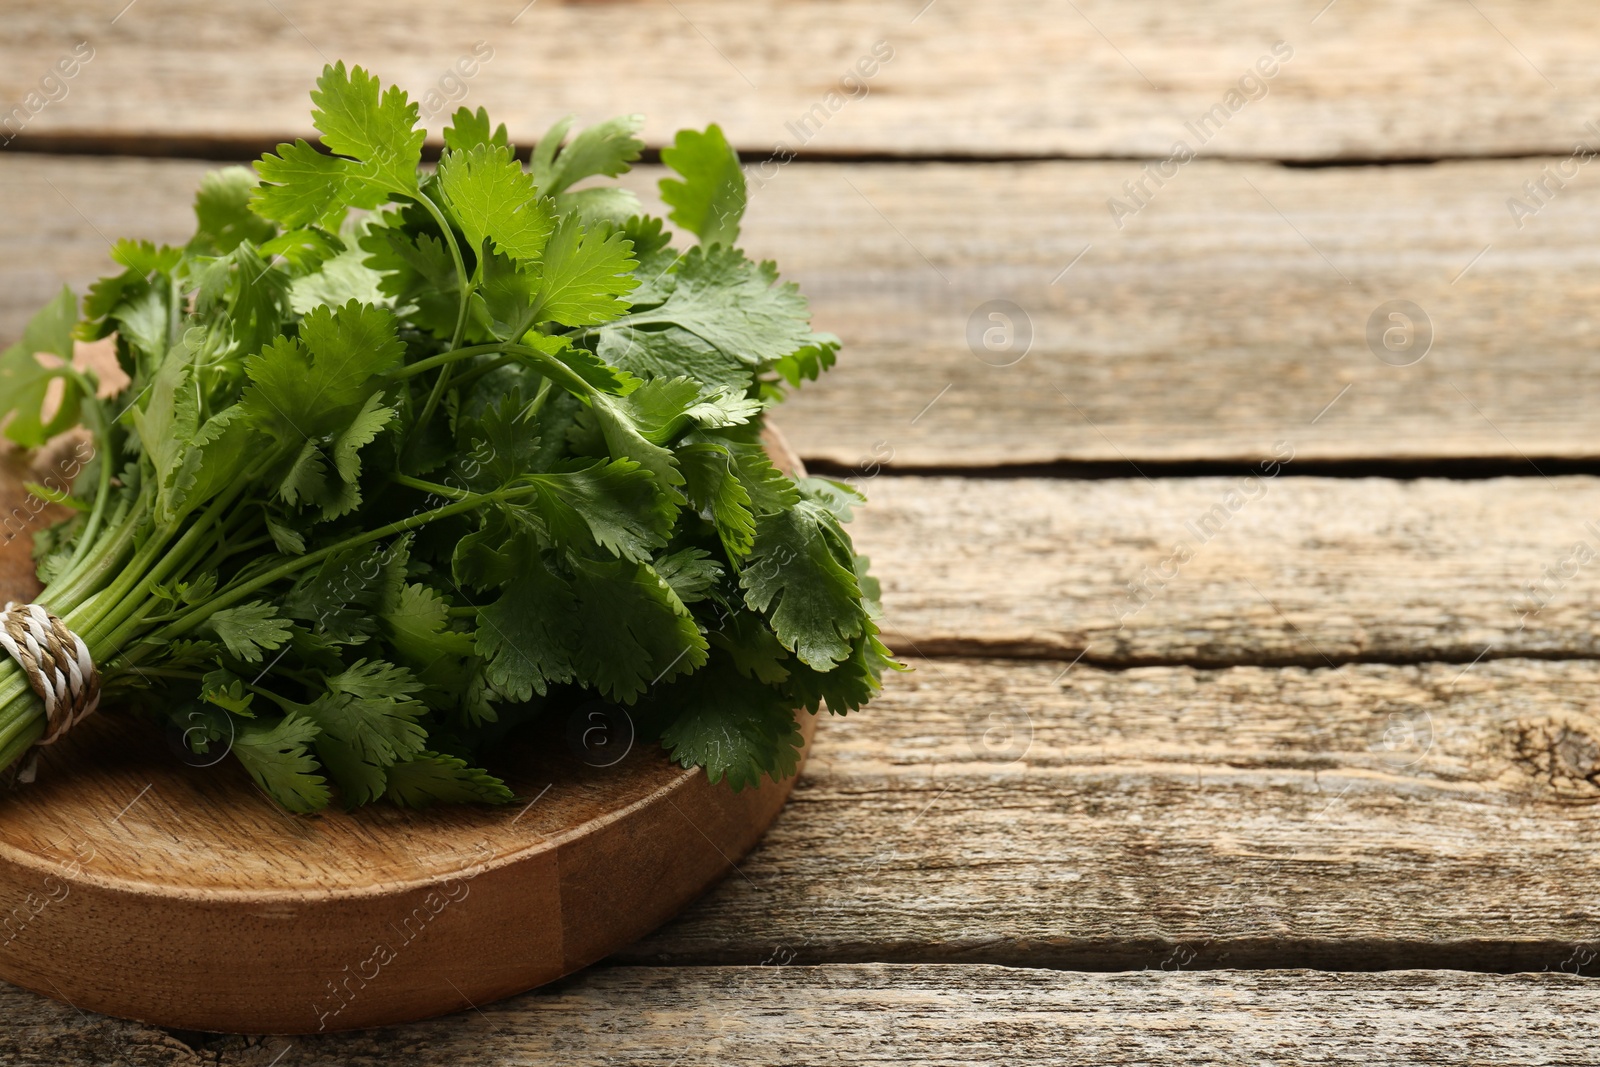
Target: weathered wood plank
<point>1022,813</point>
<point>1206,329</point>
<point>1217,571</point>
<point>1365,79</point>
<point>986,1015</point>
<point>40,1032</point>
<point>875,1013</point>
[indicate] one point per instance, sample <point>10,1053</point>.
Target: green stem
<point>101,429</point>
<point>422,366</point>
<point>233,596</point>
<point>466,287</point>
<point>446,491</point>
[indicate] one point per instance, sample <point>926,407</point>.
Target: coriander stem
<point>233,596</point>
<point>465,287</point>
<point>448,492</point>
<point>422,366</point>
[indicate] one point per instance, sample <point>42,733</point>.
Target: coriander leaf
<point>600,204</point>
<point>503,446</point>
<point>625,441</point>
<point>305,250</point>
<point>671,352</point>
<point>734,728</point>
<point>433,778</point>
<point>242,294</point>
<point>469,129</point>
<point>418,626</point>
<point>838,497</point>
<point>337,280</point>
<point>417,271</point>
<point>690,572</point>
<point>819,353</point>
<point>615,504</point>
<point>378,132</point>
<point>710,200</point>
<point>722,409</point>
<point>302,187</point>
<point>286,539</point>
<point>249,630</point>
<point>713,484</point>
<point>25,382</point>
<point>222,211</point>
<point>275,755</point>
<point>359,781</point>
<point>378,731</point>
<point>659,408</point>
<point>318,390</point>
<point>801,575</point>
<point>633,631</point>
<point>734,305</point>
<point>582,276</point>
<point>375,680</point>
<point>604,148</point>
<point>490,196</point>
<point>143,258</point>
<point>369,422</point>
<point>524,634</point>
<point>848,685</point>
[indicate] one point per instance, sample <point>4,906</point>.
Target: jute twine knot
<point>56,662</point>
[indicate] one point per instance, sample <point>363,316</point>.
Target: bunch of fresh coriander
<point>406,459</point>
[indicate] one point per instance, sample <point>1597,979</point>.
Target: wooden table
<point>1253,711</point>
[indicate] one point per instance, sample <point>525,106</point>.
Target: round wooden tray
<point>138,886</point>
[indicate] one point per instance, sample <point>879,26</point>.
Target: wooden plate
<point>138,886</point>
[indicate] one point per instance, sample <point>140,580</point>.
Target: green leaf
<point>582,276</point>
<point>222,211</point>
<point>600,204</point>
<point>490,196</point>
<point>305,250</point>
<point>672,352</point>
<point>633,631</point>
<point>734,728</point>
<point>374,680</point>
<point>377,132</point>
<point>524,634</point>
<point>614,505</point>
<point>438,779</point>
<point>691,572</point>
<point>317,394</point>
<point>418,626</point>
<point>605,148</point>
<point>302,187</point>
<point>25,382</point>
<point>338,280</point>
<point>469,129</point>
<point>801,575</point>
<point>377,730</point>
<point>710,200</point>
<point>275,755</point>
<point>249,631</point>
<point>734,305</point>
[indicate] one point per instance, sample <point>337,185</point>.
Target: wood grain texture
<point>123,862</point>
<point>1024,813</point>
<point>1367,78</point>
<point>40,1032</point>
<point>868,1014</point>
<point>1218,571</point>
<point>1209,328</point>
<point>987,1015</point>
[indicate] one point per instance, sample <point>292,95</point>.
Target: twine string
<point>57,664</point>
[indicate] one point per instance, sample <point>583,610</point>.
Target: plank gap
<point>224,149</point>
<point>1396,468</point>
